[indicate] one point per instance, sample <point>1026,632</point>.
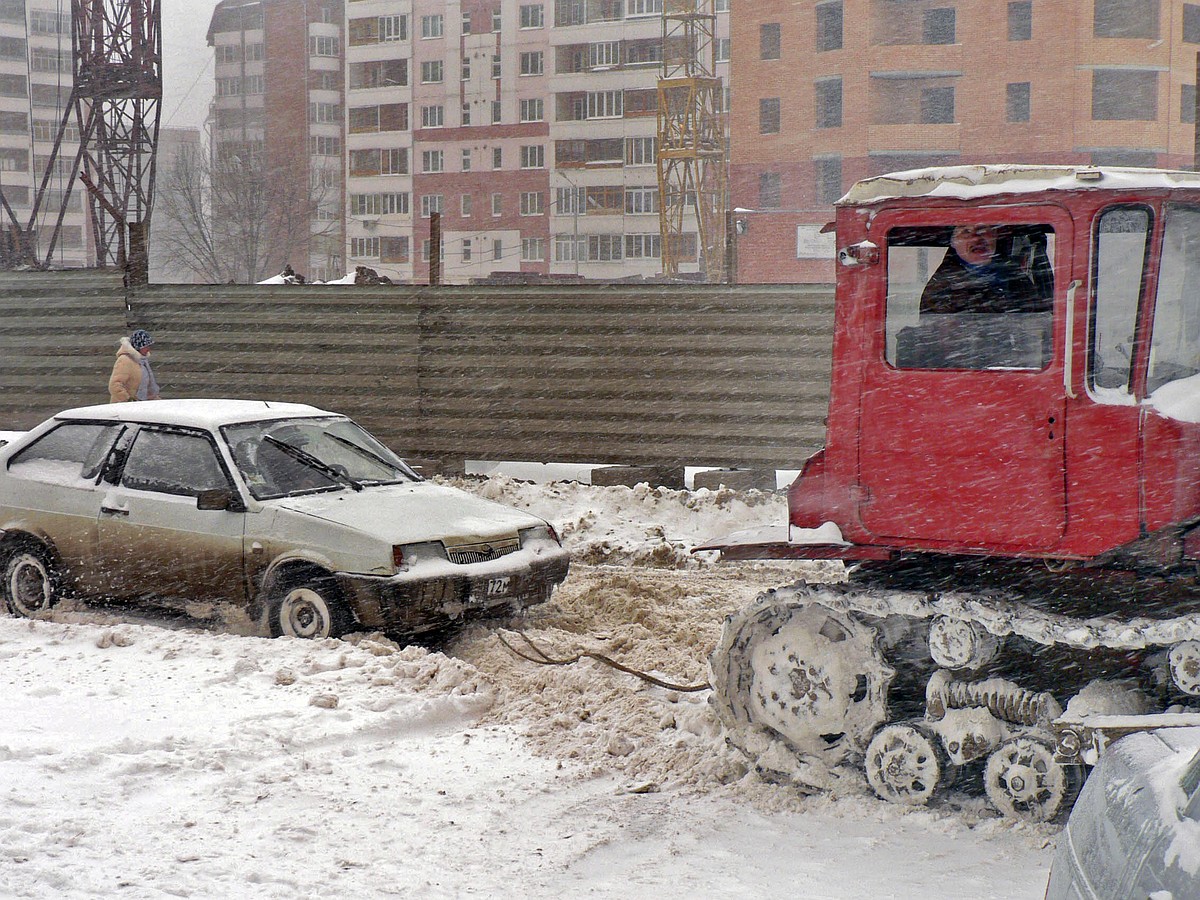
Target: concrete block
<point>655,476</point>
<point>735,479</point>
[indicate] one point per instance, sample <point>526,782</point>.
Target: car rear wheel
<point>309,609</point>
<point>30,582</point>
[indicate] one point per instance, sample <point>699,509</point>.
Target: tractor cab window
<point>1175,340</point>
<point>1122,239</point>
<point>970,296</point>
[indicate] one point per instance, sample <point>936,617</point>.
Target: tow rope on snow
<point>542,658</point>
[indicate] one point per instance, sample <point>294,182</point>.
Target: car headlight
<point>539,534</point>
<point>405,556</point>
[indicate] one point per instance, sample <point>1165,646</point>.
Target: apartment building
<point>35,90</point>
<point>279,112</point>
<point>528,127</point>
<point>837,90</point>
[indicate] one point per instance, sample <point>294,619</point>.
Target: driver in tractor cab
<point>974,278</point>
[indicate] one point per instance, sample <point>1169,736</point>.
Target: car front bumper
<point>409,603</point>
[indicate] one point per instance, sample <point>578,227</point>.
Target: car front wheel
<point>309,609</point>
<point>29,583</point>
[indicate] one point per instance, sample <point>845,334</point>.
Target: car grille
<point>465,554</point>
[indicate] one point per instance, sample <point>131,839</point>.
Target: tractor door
<point>962,412</point>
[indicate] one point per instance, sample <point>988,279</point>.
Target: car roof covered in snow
<point>973,182</point>
<point>198,413</point>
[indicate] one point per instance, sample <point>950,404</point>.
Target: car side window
<point>71,454</point>
<point>173,462</point>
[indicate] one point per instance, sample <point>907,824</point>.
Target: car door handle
<point>115,510</point>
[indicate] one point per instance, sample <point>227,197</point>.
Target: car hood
<point>410,513</point>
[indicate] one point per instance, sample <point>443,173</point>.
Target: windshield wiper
<point>369,454</point>
<point>311,461</point>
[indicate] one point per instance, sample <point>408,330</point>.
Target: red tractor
<point>1012,477</point>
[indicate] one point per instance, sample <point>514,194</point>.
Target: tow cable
<point>542,658</point>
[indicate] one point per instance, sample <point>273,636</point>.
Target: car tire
<point>30,582</point>
<point>310,608</point>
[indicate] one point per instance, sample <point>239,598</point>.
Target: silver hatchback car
<point>295,513</point>
<point>1135,829</point>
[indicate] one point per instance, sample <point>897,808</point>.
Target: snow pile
<point>641,526</point>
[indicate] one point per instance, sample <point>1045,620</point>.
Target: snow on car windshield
<point>292,456</point>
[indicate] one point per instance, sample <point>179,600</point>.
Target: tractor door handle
<point>115,510</point>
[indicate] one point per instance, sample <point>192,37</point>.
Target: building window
<point>497,110</point>
<point>1020,21</point>
<point>431,71</point>
<point>394,161</point>
<point>829,103</point>
<point>938,26</point>
<point>722,52</point>
<point>430,204</point>
<point>496,65</point>
<point>937,105</point>
<point>497,250</point>
<point>466,21</point>
<point>532,15</point>
<point>466,159</point>
<point>768,40</point>
<point>326,146</point>
<point>466,250</point>
<point>829,26</point>
<point>768,115</point>
<point>466,113</point>
<point>828,172</point>
<point>604,247</point>
<point>532,110</point>
<point>641,151</point>
<point>641,200</point>
<point>321,45</point>
<point>1187,104</point>
<point>1126,19</point>
<point>532,203</point>
<point>604,55</point>
<point>393,28</point>
<point>605,104</point>
<point>431,27</point>
<point>466,204</point>
<point>533,157</point>
<point>394,249</point>
<point>770,190</point>
<point>432,160</point>
<point>364,247</point>
<point>1191,23</point>
<point>497,19</point>
<point>643,8</point>
<point>393,204</point>
<point>531,63</point>
<point>324,113</point>
<point>533,249</point>
<point>1124,94</point>
<point>465,70</point>
<point>1016,102</point>
<point>497,204</point>
<point>433,116</point>
<point>643,246</point>
<point>364,204</point>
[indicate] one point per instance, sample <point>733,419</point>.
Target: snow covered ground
<point>150,754</point>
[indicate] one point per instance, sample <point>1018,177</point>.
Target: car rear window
<point>71,454</point>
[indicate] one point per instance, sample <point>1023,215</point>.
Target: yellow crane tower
<point>692,173</point>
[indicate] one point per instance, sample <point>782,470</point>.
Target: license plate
<point>498,587</point>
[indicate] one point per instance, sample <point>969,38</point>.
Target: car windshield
<point>296,456</point>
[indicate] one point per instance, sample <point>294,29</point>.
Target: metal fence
<point>617,374</point>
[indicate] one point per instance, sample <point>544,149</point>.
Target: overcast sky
<point>187,62</point>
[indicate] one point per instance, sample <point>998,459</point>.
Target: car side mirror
<point>220,499</point>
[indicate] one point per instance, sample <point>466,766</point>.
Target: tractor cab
<point>1016,368</point>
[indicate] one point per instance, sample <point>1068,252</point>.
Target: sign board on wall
<point>811,244</point>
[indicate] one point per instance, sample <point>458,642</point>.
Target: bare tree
<point>233,217</point>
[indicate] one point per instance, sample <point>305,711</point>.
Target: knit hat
<point>140,338</point>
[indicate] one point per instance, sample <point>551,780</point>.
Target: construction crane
<point>115,104</point>
<point>692,169</point>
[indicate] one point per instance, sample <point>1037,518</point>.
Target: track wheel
<point>30,583</point>
<point>905,764</point>
<point>801,671</point>
<point>1023,780</point>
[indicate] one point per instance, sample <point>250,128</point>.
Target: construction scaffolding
<point>115,104</point>
<point>692,157</point>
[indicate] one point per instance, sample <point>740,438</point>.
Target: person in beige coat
<point>132,378</point>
